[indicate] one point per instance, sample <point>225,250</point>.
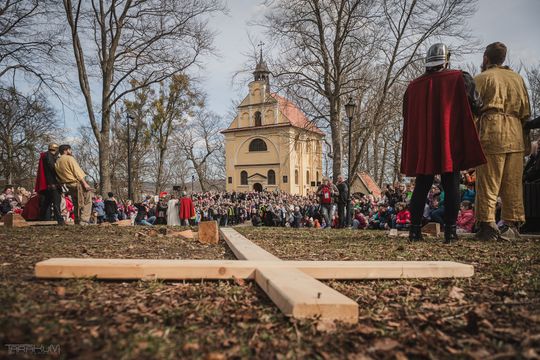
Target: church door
<point>257,187</point>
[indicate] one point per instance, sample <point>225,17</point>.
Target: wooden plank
<point>245,269</point>
<point>301,296</point>
<point>244,249</point>
<point>286,287</point>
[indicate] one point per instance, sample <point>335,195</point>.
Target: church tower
<point>271,144</point>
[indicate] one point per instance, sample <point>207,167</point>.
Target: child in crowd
<point>465,220</point>
<point>403,217</point>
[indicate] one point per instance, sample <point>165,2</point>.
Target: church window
<point>257,145</point>
<point>307,177</point>
<point>271,177</point>
<point>258,118</point>
<point>285,179</point>
<point>230,179</point>
<point>296,177</point>
<point>243,178</point>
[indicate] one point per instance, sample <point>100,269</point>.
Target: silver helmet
<point>437,54</point>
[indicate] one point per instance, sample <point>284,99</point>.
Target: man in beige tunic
<point>70,173</point>
<point>500,128</point>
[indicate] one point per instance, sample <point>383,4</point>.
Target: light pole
<point>349,110</point>
<point>192,183</point>
<point>130,188</point>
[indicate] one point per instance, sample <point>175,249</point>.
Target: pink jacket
<point>466,220</point>
<point>403,217</point>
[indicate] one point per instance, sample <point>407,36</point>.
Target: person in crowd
<point>439,136</point>
<point>98,207</point>
<point>143,216</point>
<point>187,210</point>
<point>111,208</point>
<point>326,193</point>
<point>255,218</point>
<point>403,217</point>
<point>72,176</point>
<point>465,221</point>
<point>342,201</point>
<point>359,220</point>
<point>173,212</point>
<point>47,185</point>
<point>381,219</point>
<point>500,125</point>
<point>161,209</point>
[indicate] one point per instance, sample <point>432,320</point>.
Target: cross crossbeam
<point>292,285</point>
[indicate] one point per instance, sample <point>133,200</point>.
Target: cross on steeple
<point>260,45</point>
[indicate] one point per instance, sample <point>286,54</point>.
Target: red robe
<point>41,181</point>
<point>31,209</point>
<point>439,134</point>
<point>187,210</point>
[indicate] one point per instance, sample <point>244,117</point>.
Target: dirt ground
<point>495,314</point>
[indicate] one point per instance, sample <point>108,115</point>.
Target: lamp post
<point>130,188</point>
<point>349,110</point>
<point>192,183</point>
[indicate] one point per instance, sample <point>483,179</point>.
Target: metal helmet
<point>437,54</point>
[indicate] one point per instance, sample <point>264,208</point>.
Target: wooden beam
<point>245,269</point>
<point>286,286</point>
<point>244,249</point>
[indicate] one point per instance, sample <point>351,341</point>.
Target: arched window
<point>257,145</point>
<point>296,177</point>
<point>243,178</point>
<point>258,118</point>
<point>271,177</point>
<point>307,177</point>
<point>317,177</point>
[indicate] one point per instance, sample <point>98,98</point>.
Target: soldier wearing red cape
<point>47,186</point>
<point>439,136</point>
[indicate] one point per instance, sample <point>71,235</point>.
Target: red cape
<point>187,210</point>
<point>41,181</point>
<point>439,134</point>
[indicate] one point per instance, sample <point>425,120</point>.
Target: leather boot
<point>450,234</point>
<point>487,232</point>
<point>415,233</point>
<point>509,232</point>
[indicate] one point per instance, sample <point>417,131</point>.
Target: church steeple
<point>261,72</point>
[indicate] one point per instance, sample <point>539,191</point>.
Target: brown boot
<point>509,232</point>
<point>488,232</point>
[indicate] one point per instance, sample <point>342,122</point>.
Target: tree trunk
<point>159,180</point>
<point>335,126</point>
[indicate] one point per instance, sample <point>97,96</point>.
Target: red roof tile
<point>295,116</point>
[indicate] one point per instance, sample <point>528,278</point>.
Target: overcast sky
<point>513,22</point>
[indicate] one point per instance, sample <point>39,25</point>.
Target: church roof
<point>296,117</point>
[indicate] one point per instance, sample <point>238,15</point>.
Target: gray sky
<point>513,22</point>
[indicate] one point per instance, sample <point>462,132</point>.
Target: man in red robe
<point>187,210</point>
<point>439,136</point>
<point>47,185</point>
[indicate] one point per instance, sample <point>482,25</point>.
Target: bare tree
<point>323,47</point>
<point>170,111</point>
<point>117,41</point>
<point>27,124</point>
<point>28,41</point>
<point>201,143</point>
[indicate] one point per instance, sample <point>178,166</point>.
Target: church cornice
<point>271,126</point>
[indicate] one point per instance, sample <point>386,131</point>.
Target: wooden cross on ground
<point>292,285</point>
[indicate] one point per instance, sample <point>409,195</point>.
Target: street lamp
<point>130,188</point>
<point>349,111</point>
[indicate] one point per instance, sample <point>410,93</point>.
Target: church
<point>271,144</point>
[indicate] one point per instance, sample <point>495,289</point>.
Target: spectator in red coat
<point>187,210</point>
<point>403,218</point>
<point>465,221</point>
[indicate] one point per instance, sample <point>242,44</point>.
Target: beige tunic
<point>506,107</point>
